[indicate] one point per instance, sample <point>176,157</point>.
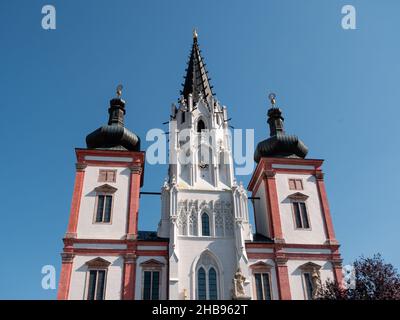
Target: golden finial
<point>195,33</point>
<point>119,91</point>
<point>272,98</point>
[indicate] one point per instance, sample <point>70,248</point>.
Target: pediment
<point>98,263</point>
<point>152,263</point>
<point>260,265</point>
<point>310,266</point>
<point>105,188</point>
<point>298,196</point>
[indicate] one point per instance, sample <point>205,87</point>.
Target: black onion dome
<point>279,144</point>
<point>114,135</point>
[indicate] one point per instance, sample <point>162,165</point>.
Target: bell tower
<point>294,231</point>
<point>100,246</point>
<point>204,210</point>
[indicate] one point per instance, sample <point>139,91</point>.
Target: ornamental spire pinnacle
<point>196,82</point>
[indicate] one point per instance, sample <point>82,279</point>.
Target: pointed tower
<point>294,245</point>
<point>204,210</point>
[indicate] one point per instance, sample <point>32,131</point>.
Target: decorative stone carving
<point>238,286</point>
<point>316,280</point>
<point>189,211</point>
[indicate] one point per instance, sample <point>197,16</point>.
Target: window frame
<point>293,202</point>
<point>305,288</point>
<point>105,194</point>
<point>152,265</point>
<point>97,264</point>
<point>262,268</point>
<point>207,280</point>
<point>295,181</point>
<point>209,224</point>
<point>309,268</point>
<point>183,117</point>
<point>197,125</point>
<point>106,172</point>
<point>151,283</point>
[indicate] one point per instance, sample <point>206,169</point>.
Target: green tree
<point>374,280</point>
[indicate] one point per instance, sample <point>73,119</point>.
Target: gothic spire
<point>196,79</point>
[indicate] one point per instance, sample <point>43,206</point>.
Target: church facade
<point>204,247</point>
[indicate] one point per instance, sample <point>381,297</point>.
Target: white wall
<point>117,228</point>
<point>316,235</point>
<point>261,212</point>
<point>79,279</point>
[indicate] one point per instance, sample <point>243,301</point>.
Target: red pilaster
<point>128,292</point>
<point>331,239</point>
<point>273,206</point>
<point>133,209</point>
<point>283,279</point>
<point>65,276</point>
<point>76,200</point>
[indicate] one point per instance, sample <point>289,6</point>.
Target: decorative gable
<point>298,196</point>
<point>98,263</point>
<point>105,188</point>
<point>260,265</point>
<point>152,263</point>
<point>310,266</point>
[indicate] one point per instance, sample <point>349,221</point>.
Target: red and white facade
<point>293,250</point>
<point>114,246</point>
<point>205,247</point>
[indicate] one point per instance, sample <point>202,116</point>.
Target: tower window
<point>104,208</point>
<point>205,224</point>
<point>301,215</point>
<point>201,284</point>
<point>96,285</point>
<point>151,285</point>
<point>263,286</point>
<point>295,184</point>
<point>107,175</point>
<point>200,126</point>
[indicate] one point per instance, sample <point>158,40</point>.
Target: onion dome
<point>279,144</point>
<point>114,136</point>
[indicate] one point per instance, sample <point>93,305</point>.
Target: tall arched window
<point>201,284</point>
<point>207,278</point>
<point>200,126</point>
<point>205,224</point>
<point>212,284</point>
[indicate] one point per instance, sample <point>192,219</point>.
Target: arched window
<point>207,278</point>
<point>201,284</point>
<point>200,126</point>
<point>205,224</point>
<point>212,284</point>
<point>183,117</point>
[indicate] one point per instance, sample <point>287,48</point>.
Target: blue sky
<point>339,90</point>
